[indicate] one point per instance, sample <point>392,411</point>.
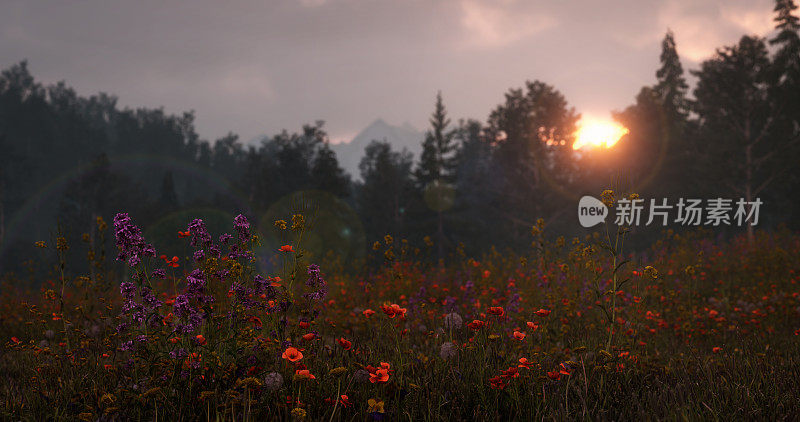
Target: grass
<point>691,329</point>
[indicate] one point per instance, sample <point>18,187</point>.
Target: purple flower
<point>129,241</point>
<point>196,280</point>
<point>200,236</point>
<point>127,289</point>
<point>242,227</point>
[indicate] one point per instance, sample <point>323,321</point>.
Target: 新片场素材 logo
<point>688,212</point>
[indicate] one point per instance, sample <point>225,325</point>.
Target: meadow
<point>696,327</point>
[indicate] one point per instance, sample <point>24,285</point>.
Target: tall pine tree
<point>671,86</point>
<point>435,172</point>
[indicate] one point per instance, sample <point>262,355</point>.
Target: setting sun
<point>598,133</point>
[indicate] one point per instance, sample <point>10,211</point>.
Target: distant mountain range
<point>401,137</point>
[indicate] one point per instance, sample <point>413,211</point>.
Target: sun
<point>595,133</point>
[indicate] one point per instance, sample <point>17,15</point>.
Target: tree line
<point>67,159</point>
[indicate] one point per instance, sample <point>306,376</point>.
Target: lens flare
<point>596,133</point>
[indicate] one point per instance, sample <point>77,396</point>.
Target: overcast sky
<point>261,66</point>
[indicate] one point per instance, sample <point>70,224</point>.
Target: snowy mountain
<point>349,153</point>
<point>405,136</point>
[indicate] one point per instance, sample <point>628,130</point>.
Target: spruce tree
<point>436,169</point>
<point>671,86</point>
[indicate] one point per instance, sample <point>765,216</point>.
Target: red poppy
<point>393,310</point>
<point>519,335</point>
<point>476,324</point>
<point>286,248</point>
<point>200,340</point>
<point>309,336</point>
<point>716,349</point>
<point>304,374</point>
<point>292,355</point>
<point>542,312</point>
<point>379,376</point>
<point>174,340</point>
<point>346,345</point>
<point>511,372</point>
<point>554,375</point>
<point>497,383</point>
<point>368,312</point>
<point>532,325</point>
<point>15,340</point>
<point>525,363</point>
<point>497,310</point>
<point>303,324</point>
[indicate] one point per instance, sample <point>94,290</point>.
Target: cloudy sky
<point>261,66</point>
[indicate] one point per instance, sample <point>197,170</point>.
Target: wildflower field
<point>692,328</point>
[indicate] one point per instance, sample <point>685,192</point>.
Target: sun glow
<point>595,133</point>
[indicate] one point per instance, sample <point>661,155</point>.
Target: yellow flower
<point>633,196</point>
<point>337,371</point>
<point>651,272</point>
<point>375,406</point>
<point>281,224</point>
<point>298,222</point>
<point>376,246</point>
<point>101,224</point>
<point>61,244</point>
<point>41,244</point>
<point>388,239</point>
<point>607,197</point>
<point>249,382</point>
<point>298,413</point>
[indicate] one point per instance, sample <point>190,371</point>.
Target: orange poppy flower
<point>292,355</point>
<point>525,363</point>
<point>542,312</point>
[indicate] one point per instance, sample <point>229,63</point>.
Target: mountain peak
<point>401,137</point>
